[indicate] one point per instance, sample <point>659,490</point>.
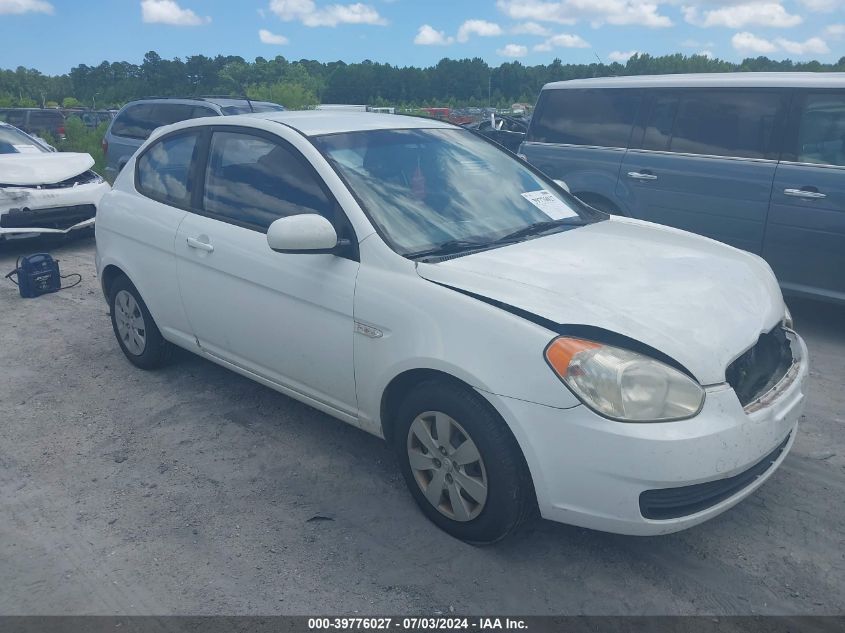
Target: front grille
<point>672,503</point>
<point>56,218</point>
<point>761,367</point>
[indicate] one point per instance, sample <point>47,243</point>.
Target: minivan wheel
<point>134,328</point>
<point>461,463</point>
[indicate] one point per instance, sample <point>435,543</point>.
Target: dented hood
<point>699,301</point>
<point>24,170</point>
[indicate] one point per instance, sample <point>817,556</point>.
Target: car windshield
<point>14,141</point>
<point>430,189</point>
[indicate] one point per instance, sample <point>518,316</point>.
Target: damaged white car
<point>42,191</point>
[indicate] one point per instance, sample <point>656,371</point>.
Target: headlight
<point>624,385</point>
<point>787,319</point>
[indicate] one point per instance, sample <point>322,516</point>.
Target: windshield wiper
<point>539,227</point>
<point>449,247</point>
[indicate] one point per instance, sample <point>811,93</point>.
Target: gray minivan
<point>134,123</point>
<point>756,160</point>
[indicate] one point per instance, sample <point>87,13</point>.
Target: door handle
<point>805,193</point>
<point>201,246</point>
<point>641,175</point>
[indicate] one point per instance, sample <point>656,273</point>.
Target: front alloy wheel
<point>447,466</point>
<point>461,462</point>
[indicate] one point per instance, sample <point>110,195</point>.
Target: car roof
<point>710,80</point>
<point>317,122</point>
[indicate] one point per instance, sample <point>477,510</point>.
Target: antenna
<point>597,57</point>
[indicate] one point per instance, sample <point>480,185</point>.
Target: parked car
<point>137,119</point>
<point>44,191</point>
<point>507,131</point>
<point>37,121</point>
<point>518,348</point>
<point>756,160</point>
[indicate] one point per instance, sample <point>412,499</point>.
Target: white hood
<point>699,301</point>
<point>42,169</point>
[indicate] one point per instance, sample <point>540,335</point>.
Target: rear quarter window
<point>598,117</point>
<point>163,172</point>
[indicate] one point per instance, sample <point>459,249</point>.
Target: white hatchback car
<point>519,349</point>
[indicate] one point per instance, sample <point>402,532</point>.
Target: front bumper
<point>591,471</point>
<point>32,212</point>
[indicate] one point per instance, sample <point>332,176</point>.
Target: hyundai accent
<point>520,350</point>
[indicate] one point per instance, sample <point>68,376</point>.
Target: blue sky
<point>54,35</point>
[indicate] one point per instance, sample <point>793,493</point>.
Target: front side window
<point>737,123</point>
<point>254,181</point>
<point>597,117</point>
<point>429,188</point>
<point>164,170</point>
<point>821,129</point>
<point>140,120</point>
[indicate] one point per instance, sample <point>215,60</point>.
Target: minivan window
<point>735,123</point>
<point>139,121</point>
<point>594,117</point>
<point>821,129</point>
<point>254,181</point>
<point>164,169</point>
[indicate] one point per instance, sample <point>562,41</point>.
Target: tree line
<point>303,83</point>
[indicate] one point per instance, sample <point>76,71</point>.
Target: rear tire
<point>461,463</point>
<point>134,327</point>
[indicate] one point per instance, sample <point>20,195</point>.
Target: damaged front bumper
<point>29,211</point>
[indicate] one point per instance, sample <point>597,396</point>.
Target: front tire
<point>134,327</point>
<point>461,463</point>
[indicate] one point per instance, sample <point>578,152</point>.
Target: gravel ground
<point>194,491</point>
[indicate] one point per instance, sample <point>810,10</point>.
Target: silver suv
<point>137,119</point>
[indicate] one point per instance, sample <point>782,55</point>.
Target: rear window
<point>739,123</point>
<point>602,118</point>
<point>45,119</point>
<point>140,120</point>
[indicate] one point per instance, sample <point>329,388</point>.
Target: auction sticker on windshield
<point>549,204</point>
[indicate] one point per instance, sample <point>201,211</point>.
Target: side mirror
<point>563,185</point>
<point>307,233</point>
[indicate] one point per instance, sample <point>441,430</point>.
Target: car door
<point>805,237</point>
<point>706,161</point>
<point>284,318</point>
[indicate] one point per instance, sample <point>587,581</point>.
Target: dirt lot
<point>195,491</point>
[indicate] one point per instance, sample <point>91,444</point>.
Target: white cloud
<point>835,31</point>
<point>268,37</point>
<point>168,12</point>
<point>746,42</point>
<point>307,12</point>
<point>771,14</point>
<point>813,46</point>
<point>531,28</point>
<point>427,35</point>
<point>481,28</point>
<point>564,40</point>
<point>17,7</point>
<point>621,56</point>
<point>823,6</point>
<point>513,50</point>
<point>706,53</point>
<point>597,12</point>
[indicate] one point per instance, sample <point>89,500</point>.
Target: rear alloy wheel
<point>134,328</point>
<point>461,463</point>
